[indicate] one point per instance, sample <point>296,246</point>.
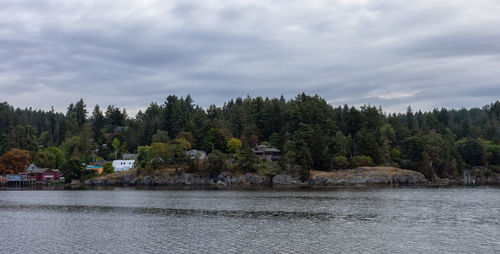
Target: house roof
<point>128,156</point>
<point>31,167</point>
<point>101,163</point>
<point>264,148</point>
<point>40,170</point>
<point>196,151</point>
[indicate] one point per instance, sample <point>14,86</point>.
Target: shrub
<point>72,170</point>
<point>340,162</point>
<point>247,161</point>
<point>396,155</point>
<point>304,173</point>
<point>233,145</point>
<point>108,168</point>
<point>215,163</point>
<point>359,161</point>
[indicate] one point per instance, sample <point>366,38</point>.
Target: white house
<point>196,154</point>
<point>122,165</point>
<point>31,168</point>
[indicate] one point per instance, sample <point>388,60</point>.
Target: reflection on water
<point>406,220</point>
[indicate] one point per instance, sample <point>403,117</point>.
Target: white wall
<point>122,165</point>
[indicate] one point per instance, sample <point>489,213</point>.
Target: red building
<point>45,174</point>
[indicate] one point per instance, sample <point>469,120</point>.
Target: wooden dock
<point>18,180</point>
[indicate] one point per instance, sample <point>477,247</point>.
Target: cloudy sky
<point>392,53</point>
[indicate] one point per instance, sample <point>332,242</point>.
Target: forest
<point>310,133</point>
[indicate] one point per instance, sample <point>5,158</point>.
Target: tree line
<point>310,133</point>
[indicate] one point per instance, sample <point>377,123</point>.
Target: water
<point>401,220</point>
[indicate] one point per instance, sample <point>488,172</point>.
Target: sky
<point>392,53</point>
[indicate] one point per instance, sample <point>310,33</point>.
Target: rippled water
<point>404,220</point>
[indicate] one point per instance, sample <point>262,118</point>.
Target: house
<point>45,174</point>
<point>122,165</point>
<point>267,153</point>
<point>196,154</point>
<point>98,169</point>
<point>31,168</point>
<point>14,177</point>
<point>57,173</point>
<point>479,169</point>
<point>120,129</point>
<point>129,156</point>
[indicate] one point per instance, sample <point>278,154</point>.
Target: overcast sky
<point>391,53</point>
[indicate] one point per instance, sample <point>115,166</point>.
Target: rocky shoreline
<point>363,176</point>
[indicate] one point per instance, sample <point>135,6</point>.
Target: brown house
<point>267,153</point>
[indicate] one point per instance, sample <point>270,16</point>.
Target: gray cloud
<point>389,53</point>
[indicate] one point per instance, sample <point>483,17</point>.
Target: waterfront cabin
<point>123,165</point>
<point>196,154</point>
<point>18,180</point>
<point>267,153</point>
<point>46,174</point>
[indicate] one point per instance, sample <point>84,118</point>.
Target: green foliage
<point>247,161</point>
<point>340,144</point>
<point>142,156</point>
<point>160,137</point>
<point>360,161</point>
<point>98,124</point>
<point>108,168</point>
<point>310,132</point>
<point>304,173</point>
<point>115,144</point>
<point>72,169</point>
<point>51,157</point>
<point>233,145</point>
<point>340,162</point>
<point>473,152</point>
<point>114,117</point>
<point>396,155</point>
<point>24,137</point>
<point>187,136</point>
<point>387,136</point>
<point>45,139</point>
<point>158,155</point>
<point>266,168</point>
<point>182,144</point>
<point>215,163</point>
<point>215,140</point>
<point>71,147</point>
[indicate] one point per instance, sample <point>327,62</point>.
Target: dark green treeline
<point>309,132</point>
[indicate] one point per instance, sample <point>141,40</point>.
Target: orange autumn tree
<point>14,161</point>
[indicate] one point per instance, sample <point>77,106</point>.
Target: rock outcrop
<point>367,175</point>
<point>358,176</point>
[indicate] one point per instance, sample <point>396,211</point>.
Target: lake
<point>123,220</point>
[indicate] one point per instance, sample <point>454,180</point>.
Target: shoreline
<point>429,185</point>
<point>363,177</point>
<point>358,178</point>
